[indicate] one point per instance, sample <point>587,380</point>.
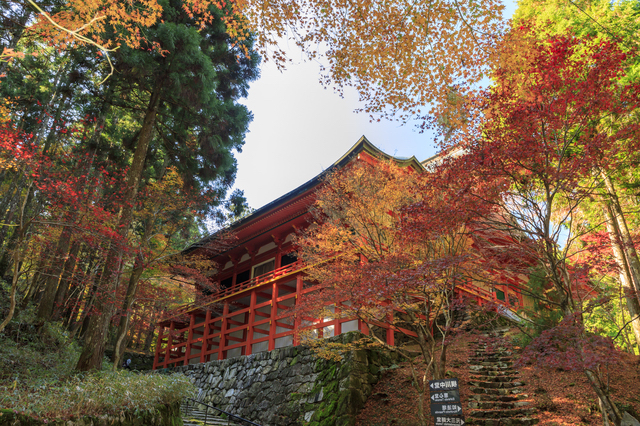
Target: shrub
<point>37,378</point>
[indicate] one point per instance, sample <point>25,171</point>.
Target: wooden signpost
<point>445,402</point>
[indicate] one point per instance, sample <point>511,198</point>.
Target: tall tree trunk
<point>17,258</point>
<point>625,236</point>
<point>93,350</point>
<point>609,409</point>
<point>65,281</point>
<point>151,332</point>
<point>125,319</point>
<point>633,306</point>
<point>45,308</point>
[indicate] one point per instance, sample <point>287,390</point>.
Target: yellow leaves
<point>358,210</point>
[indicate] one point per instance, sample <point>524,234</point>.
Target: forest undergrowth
<point>37,377</point>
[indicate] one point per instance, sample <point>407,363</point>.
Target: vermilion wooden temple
<point>261,280</point>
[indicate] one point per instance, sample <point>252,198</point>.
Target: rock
<point>629,420</point>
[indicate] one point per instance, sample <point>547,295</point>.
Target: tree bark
<point>609,408</point>
<point>45,308</point>
<point>123,327</point>
<point>625,236</point>
<point>626,280</point>
<point>93,350</point>
<point>65,281</point>
<point>17,259</point>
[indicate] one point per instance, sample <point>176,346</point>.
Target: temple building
<point>260,280</point>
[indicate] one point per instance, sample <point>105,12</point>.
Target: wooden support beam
<point>274,313</point>
<point>297,320</point>
<point>288,287</point>
<point>262,314</point>
<point>223,332</point>
<point>187,354</point>
<point>248,350</point>
<point>205,338</point>
<point>167,355</point>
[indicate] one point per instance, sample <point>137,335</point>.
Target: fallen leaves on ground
<point>563,398</point>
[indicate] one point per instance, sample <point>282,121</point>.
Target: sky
<point>299,129</point>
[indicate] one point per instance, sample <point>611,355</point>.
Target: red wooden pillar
<point>363,327</point>
<point>223,331</point>
<point>274,313</point>
<point>205,338</point>
<point>187,353</point>
<point>158,347</point>
<point>248,349</point>
<point>297,321</point>
<point>337,329</point>
<point>278,261</point>
<point>390,336</point>
<point>235,272</point>
<point>167,354</point>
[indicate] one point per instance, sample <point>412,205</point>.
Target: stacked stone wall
<point>291,386</point>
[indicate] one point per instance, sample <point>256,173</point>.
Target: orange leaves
<point>91,18</point>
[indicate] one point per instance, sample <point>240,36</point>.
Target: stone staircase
<point>497,396</point>
<point>194,416</point>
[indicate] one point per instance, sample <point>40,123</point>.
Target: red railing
<point>239,288</point>
<point>260,279</point>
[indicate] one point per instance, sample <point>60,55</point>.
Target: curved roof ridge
<point>363,144</point>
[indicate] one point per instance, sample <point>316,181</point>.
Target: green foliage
<point>607,316</point>
<point>37,378</point>
<point>543,316</point>
<point>603,19</point>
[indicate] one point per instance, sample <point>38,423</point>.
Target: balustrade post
<point>187,353</point>
<point>248,350</point>
<point>223,331</point>
<point>167,355</point>
<point>274,314</point>
<point>205,338</point>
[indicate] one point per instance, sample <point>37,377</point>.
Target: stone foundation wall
<point>290,386</point>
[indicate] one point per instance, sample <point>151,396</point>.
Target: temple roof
<point>298,194</point>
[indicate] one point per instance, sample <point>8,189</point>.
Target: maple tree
<point>60,186</point>
<point>404,59</point>
<point>548,128</point>
<point>614,206</point>
<point>391,270</point>
<point>51,92</point>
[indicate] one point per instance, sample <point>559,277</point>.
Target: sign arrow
<point>438,409</point>
<point>446,396</point>
<point>443,385</point>
<point>449,421</point>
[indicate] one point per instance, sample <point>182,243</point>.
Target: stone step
<point>503,378</point>
<point>196,417</point>
<point>490,358</point>
<point>495,385</point>
<point>518,421</point>
<point>499,391</point>
<point>495,363</point>
<point>502,413</point>
<point>498,398</point>
<point>484,350</point>
<point>495,405</point>
<point>495,373</point>
<point>476,367</point>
